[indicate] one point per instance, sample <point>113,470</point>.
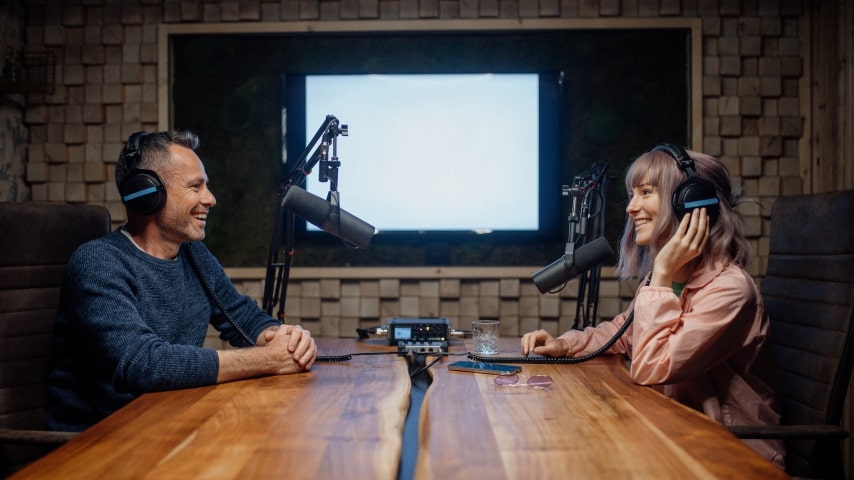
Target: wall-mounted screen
<point>434,152</point>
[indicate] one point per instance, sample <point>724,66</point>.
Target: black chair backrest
<point>808,291</point>
<point>36,241</point>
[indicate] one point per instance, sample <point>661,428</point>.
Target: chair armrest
<point>827,432</point>
<point>34,437</point>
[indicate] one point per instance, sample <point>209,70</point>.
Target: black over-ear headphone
<point>142,190</point>
<point>694,192</point>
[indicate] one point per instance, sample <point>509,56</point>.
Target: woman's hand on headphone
<point>684,246</point>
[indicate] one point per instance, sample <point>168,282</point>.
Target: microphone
<point>565,269</point>
<point>328,217</point>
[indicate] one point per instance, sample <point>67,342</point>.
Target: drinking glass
<point>484,337</point>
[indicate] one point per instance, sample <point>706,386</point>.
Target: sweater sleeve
<point>586,341</point>
<point>129,323</point>
<point>127,334</point>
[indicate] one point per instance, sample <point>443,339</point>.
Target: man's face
<point>188,199</point>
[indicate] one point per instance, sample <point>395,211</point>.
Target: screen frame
<point>241,250</point>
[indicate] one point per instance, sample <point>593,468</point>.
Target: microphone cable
<point>346,357</point>
<point>559,360</point>
<point>233,322</point>
<point>213,295</point>
<point>564,360</point>
<point>439,356</point>
<point>349,356</point>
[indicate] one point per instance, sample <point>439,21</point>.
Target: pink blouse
<point>703,349</point>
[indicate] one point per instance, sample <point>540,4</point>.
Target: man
<point>136,304</point>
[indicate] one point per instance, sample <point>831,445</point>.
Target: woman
<point>699,325</point>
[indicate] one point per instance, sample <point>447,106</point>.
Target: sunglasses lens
<point>506,379</point>
<point>539,381</point>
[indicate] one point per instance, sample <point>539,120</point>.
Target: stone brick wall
<point>753,117</point>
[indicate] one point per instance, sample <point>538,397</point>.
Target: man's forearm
<point>241,363</point>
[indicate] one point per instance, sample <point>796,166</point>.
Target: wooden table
<point>341,420</point>
<point>593,422</point>
<point>345,420</point>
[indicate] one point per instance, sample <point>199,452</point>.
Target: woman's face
<point>643,209</point>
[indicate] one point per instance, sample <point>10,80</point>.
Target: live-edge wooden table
<point>345,420</point>
<point>340,420</point>
<point>592,423</point>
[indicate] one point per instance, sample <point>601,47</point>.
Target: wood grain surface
<point>345,420</point>
<point>341,420</point>
<point>593,422</point>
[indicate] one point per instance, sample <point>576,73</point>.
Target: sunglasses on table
<point>512,380</point>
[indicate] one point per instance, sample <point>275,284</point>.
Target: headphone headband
<point>131,153</point>
<point>685,162</point>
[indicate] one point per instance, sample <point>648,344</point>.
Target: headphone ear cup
<point>696,193</point>
<point>143,192</point>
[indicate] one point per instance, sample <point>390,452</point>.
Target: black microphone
<point>583,258</point>
<point>328,217</point>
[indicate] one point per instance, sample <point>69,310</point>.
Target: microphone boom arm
<point>302,167</point>
<point>282,242</point>
<point>583,252</point>
<point>592,182</point>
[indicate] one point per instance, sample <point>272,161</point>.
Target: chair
<point>809,295</point>
<point>36,241</point>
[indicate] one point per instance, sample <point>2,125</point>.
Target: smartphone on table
<point>484,367</point>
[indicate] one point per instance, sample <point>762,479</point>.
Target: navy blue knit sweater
<point>129,323</point>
